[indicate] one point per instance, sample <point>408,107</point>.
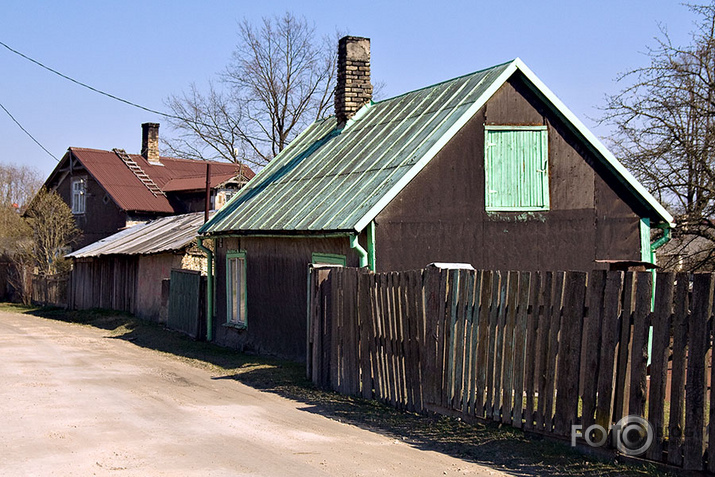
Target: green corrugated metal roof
<point>330,180</point>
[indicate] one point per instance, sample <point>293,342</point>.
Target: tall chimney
<point>353,89</point>
<point>150,142</point>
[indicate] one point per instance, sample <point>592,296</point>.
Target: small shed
<point>129,271</point>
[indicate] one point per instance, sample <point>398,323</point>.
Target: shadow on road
<point>505,449</point>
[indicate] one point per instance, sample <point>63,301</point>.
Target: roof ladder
<point>139,172</point>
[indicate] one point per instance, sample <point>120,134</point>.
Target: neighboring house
<point>110,190</point>
<point>489,169</point>
<point>125,271</point>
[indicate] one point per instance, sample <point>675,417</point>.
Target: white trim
<point>593,140</point>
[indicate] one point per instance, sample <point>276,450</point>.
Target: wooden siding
<point>277,274</point>
<point>440,216</point>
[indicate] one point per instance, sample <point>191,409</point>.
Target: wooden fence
<point>541,351</point>
<point>50,290</point>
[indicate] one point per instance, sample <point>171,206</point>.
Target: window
<point>236,288</point>
<point>79,188</point>
<point>516,168</point>
<point>329,259</point>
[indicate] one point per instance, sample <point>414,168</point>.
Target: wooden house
<point>110,190</point>
<point>489,169</point>
<point>128,270</point>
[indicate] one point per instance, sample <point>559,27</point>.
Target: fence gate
<point>184,302</point>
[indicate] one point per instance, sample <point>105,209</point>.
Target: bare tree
<point>665,129</point>
<point>53,230</point>
<point>280,79</point>
<point>18,185</point>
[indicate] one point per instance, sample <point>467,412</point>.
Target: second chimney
<point>353,88</point>
<point>150,143</point>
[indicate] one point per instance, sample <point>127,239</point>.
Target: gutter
<point>362,253</point>
<point>367,257</point>
<point>209,289</point>
<point>665,238</point>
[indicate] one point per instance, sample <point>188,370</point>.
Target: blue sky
<point>145,50</point>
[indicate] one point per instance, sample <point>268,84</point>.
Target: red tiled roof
<point>175,174</point>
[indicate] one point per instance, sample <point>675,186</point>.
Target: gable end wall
<point>440,215</point>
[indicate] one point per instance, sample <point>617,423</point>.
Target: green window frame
<point>236,310</point>
<point>329,259</point>
<point>516,168</point>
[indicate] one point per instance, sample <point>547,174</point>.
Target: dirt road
<point>76,402</point>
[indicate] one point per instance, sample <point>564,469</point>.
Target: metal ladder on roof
<point>139,172</point>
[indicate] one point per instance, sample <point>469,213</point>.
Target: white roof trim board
<point>319,160</point>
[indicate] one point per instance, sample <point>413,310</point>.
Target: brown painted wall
<point>440,215</point>
<point>277,273</point>
<point>152,269</point>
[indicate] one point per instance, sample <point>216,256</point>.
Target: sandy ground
<point>75,402</point>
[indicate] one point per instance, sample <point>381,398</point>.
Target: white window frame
<point>236,310</point>
<point>79,195</point>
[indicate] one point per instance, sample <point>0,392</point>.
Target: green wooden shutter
<point>516,168</point>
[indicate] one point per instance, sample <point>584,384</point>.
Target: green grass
<point>502,448</point>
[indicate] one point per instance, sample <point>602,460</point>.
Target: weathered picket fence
<point>536,350</point>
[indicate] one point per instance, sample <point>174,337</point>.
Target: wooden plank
<point>499,348</point>
<point>570,353</point>
<point>366,335</point>
<point>698,338</point>
<point>677,386</point>
<point>460,340</point>
<point>379,339</point>
<point>473,341</point>
<point>659,361</point>
<point>591,344</point>
<point>552,364</point>
<point>387,320</point>
<point>493,319</point>
<point>609,337</point>
<point>352,354</point>
<point>336,315</point>
<point>469,345</point>
<point>419,300</point>
<point>412,288</point>
<point>508,372</point>
<point>432,286</point>
<point>543,351</point>
<point>520,346</point>
<point>530,378</point>
<point>622,391</point>
<point>483,339</point>
<point>447,346</point>
<point>639,355</point>
<point>400,318</point>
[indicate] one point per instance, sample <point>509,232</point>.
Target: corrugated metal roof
<point>129,193</point>
<point>330,180</point>
<point>161,235</point>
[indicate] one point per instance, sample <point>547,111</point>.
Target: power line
<point>84,85</point>
<point>28,133</point>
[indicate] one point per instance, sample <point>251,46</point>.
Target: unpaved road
<point>76,402</point>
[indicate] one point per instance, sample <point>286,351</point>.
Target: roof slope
<point>173,175</point>
<point>332,180</point>
<point>161,235</point>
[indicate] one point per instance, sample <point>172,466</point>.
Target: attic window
<point>79,194</point>
<point>516,167</point>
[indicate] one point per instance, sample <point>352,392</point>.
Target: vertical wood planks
<point>591,344</point>
<point>659,361</point>
<point>483,341</point>
<point>570,353</point>
<point>622,391</point>
<point>510,325</point>
<point>492,331</point>
<point>520,346</point>
<point>554,328</point>
<point>543,350</point>
<point>609,341</point>
<point>677,386</point>
<point>639,355</point>
<point>499,349</point>
<point>530,377</point>
<point>695,387</point>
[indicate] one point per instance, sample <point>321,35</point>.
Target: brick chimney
<point>353,89</point>
<point>150,142</point>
